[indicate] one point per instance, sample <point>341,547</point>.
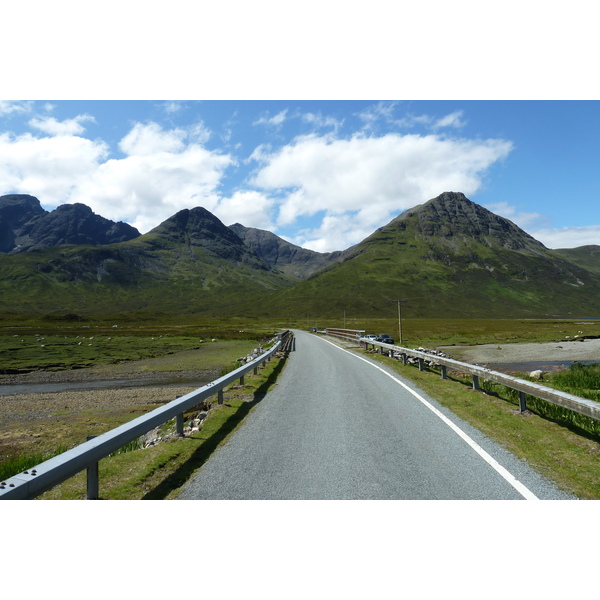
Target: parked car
<point>384,338</point>
<point>370,336</point>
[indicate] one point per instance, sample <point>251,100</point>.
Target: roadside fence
<point>46,475</point>
<point>582,406</point>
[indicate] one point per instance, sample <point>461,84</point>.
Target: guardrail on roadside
<point>577,404</point>
<point>46,475</point>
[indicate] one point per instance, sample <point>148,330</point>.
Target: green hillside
<point>447,258</point>
<point>587,257</point>
<point>160,271</point>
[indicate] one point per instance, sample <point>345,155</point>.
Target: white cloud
<point>567,237</point>
<point>451,120</point>
<point>370,179</point>
<point>521,218</point>
<point>320,121</point>
<point>250,208</point>
<point>52,126</point>
<point>145,140</point>
<point>162,172</point>
<point>277,120</point>
<point>145,189</point>
<point>385,112</point>
<point>335,232</point>
<point>380,111</point>
<point>49,168</point>
<point>8,107</point>
<point>172,107</point>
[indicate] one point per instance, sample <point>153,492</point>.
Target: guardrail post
<point>522,401</point>
<point>405,358</point>
<point>476,382</point>
<point>444,374</point>
<point>242,380</point>
<point>421,367</point>
<point>220,397</point>
<point>92,478</point>
<point>179,421</point>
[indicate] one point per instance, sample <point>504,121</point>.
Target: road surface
<point>341,426</point>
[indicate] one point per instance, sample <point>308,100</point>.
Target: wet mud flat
<point>40,382</point>
<point>510,358</point>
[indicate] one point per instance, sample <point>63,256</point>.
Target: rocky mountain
<point>25,226</point>
<point>448,257</point>
<point>191,262</point>
<point>199,228</point>
<point>288,258</point>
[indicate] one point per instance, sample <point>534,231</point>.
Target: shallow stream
<point>108,384</point>
<point>526,367</point>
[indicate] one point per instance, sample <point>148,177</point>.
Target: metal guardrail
<point>346,334</point>
<point>46,475</point>
<point>577,404</point>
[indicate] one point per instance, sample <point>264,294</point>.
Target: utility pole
<point>400,321</point>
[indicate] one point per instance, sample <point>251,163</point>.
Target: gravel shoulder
<point>584,350</point>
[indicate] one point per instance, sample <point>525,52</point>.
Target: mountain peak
<point>452,217</point>
<point>25,225</point>
<point>282,255</point>
<point>197,227</point>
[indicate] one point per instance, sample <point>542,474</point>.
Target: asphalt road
<point>340,426</point>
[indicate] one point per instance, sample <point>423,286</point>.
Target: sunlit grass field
<point>554,447</point>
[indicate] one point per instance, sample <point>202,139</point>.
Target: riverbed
<point>547,356</point>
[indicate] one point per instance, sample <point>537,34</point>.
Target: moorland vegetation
<point>71,300</point>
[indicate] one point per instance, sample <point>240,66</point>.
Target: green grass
<point>22,463</point>
<point>52,346</point>
<point>434,332</point>
<point>578,379</point>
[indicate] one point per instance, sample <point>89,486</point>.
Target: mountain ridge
<point>448,256</point>
<point>291,259</point>
<point>470,262</point>
<point>26,226</point>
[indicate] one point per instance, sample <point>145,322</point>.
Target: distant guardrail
<point>577,404</point>
<point>43,477</point>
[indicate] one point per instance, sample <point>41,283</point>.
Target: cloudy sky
<point>321,174</point>
<point>319,124</point>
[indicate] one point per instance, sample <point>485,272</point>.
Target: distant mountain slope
<point>189,263</point>
<point>448,257</point>
<point>26,226</point>
<point>199,228</point>
<point>292,260</point>
<point>587,257</point>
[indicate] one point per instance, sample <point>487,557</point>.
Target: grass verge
<point>558,450</point>
<point>159,472</point>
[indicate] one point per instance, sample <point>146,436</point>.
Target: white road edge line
<point>509,477</point>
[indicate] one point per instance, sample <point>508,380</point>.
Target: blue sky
<point>322,174</point>
<point>320,123</point>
